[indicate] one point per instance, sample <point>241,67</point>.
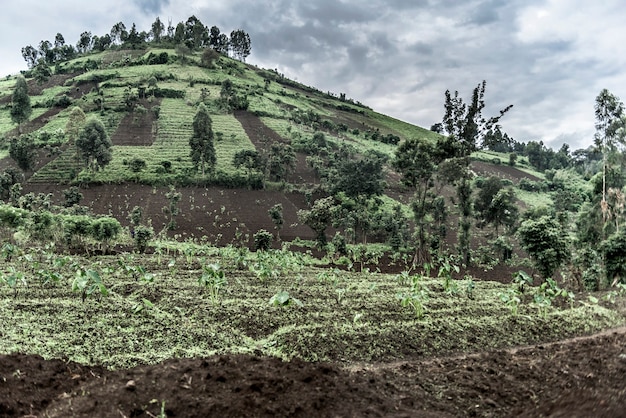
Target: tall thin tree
<point>20,108</point>
<point>201,142</point>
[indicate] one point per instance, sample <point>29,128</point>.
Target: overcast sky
<point>549,58</point>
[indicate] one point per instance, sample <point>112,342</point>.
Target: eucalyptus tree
<point>466,126</point>
<point>201,142</point>
<point>20,104</point>
<point>610,124</point>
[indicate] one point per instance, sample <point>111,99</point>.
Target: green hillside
<point>290,109</point>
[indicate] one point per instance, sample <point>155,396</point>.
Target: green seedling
<point>445,270</point>
<point>213,280</point>
<point>522,280</point>
<point>14,278</point>
<point>283,298</point>
<point>87,283</point>
<point>144,305</point>
<point>511,299</point>
<point>416,297</point>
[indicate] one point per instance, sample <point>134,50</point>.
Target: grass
<point>345,316</point>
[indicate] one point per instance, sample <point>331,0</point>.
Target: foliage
<point>465,123</point>
<point>94,144</point>
<point>212,279</point>
<point>201,142</point>
<point>276,214</point>
<point>416,297</point>
<point>142,234</point>
<point>20,103</point>
<point>88,283</point>
<point>613,251</point>
<point>546,242</point>
<point>263,240</point>
<point>22,151</point>
<point>281,161</point>
<point>72,196</point>
<point>318,218</point>
<point>172,210</point>
<point>283,298</point>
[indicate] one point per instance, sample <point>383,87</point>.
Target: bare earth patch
<point>580,377</point>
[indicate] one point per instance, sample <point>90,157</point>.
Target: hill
<point>147,99</point>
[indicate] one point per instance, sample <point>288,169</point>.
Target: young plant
<point>213,280</point>
<point>142,306</point>
<point>542,303</point>
<point>511,299</point>
<point>14,279</point>
<point>88,282</point>
<point>415,298</point>
<point>522,280</point>
<point>283,298</point>
<point>445,270</point>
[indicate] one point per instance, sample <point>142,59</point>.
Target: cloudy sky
<point>549,58</point>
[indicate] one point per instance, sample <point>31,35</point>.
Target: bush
<point>263,240</point>
<point>63,101</point>
<point>143,234</point>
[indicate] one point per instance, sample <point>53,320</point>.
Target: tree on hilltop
<point>240,44</point>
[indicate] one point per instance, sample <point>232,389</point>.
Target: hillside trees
<point>356,183</point>
<point>218,41</point>
<point>495,204</point>
<point>201,142</point>
<point>466,127</point>
<point>30,55</point>
<point>610,124</point>
<point>465,122</point>
<point>84,43</point>
<point>157,30</point>
<point>94,144</point>
<point>546,242</point>
<point>415,161</point>
<point>118,33</point>
<point>281,161</point>
<point>318,218</point>
<point>240,44</point>
<point>22,151</point>
<point>20,104</point>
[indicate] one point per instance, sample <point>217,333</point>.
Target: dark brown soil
<point>581,377</point>
<point>501,170</point>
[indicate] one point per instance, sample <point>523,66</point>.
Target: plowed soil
<point>581,377</point>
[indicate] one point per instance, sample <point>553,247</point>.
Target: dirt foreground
<point>581,377</point>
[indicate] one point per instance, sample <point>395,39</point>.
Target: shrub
<point>143,234</point>
<point>263,240</point>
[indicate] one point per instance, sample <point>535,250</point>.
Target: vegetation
<point>171,110</point>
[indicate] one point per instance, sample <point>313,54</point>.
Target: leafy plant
<point>283,298</point>
<point>142,306</point>
<point>522,280</point>
<point>445,270</point>
<point>8,251</point>
<point>213,280</point>
<point>14,278</point>
<point>511,299</point>
<point>87,283</point>
<point>416,297</point>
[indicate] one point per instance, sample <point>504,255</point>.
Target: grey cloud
<point>398,56</point>
<point>152,6</point>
